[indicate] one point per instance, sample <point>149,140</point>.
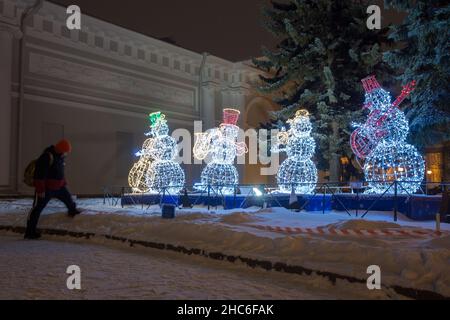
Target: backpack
<point>28,176</point>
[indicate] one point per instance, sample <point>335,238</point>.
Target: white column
<point>240,99</point>
<point>227,99</point>
<point>208,105</point>
<point>7,34</point>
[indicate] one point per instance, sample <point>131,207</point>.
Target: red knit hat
<point>63,146</point>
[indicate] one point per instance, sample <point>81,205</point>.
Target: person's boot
<point>30,231</point>
<point>74,212</point>
<point>32,235</point>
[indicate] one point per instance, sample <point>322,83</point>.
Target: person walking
<point>49,182</point>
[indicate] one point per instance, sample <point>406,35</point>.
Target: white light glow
<point>221,143</point>
<point>297,172</point>
<point>156,171</point>
<point>382,142</point>
<point>257,192</point>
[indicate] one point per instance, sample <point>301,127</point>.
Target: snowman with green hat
<point>156,171</point>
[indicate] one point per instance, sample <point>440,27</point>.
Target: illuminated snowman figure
<point>156,171</point>
<point>381,142</point>
<point>297,173</point>
<point>221,143</point>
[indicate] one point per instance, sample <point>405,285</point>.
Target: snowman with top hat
<point>381,142</point>
<point>156,171</point>
<point>297,174</point>
<point>221,144</point>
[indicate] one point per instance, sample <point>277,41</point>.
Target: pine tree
<point>424,55</point>
<point>324,52</point>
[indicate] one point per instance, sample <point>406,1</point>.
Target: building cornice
<point>13,30</point>
<point>120,43</point>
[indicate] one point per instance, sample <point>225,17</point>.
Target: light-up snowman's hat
<point>158,123</point>
<point>300,124</point>
<point>229,125</point>
<point>370,84</point>
<point>376,97</point>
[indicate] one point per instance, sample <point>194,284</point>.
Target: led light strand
<point>221,143</point>
<point>297,172</point>
<point>381,141</point>
<point>156,171</point>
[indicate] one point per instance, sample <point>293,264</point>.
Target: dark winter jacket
<point>49,172</point>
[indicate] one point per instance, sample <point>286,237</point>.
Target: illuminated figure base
<point>390,162</point>
<point>221,177</point>
<point>165,175</point>
<point>304,173</point>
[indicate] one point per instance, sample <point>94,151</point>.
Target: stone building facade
<point>95,86</point>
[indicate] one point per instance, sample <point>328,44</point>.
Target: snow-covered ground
<point>411,262</point>
<point>36,270</point>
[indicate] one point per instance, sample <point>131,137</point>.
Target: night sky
<point>230,29</point>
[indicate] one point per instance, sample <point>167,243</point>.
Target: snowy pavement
<point>411,262</point>
<point>36,270</point>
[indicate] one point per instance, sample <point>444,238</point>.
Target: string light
<point>137,176</point>
<point>156,171</point>
<point>394,161</point>
<point>381,141</point>
<point>297,172</point>
<point>221,143</point>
